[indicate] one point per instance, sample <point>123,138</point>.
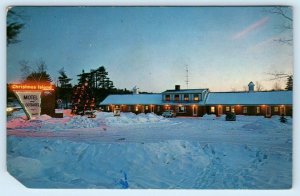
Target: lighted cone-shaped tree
<point>83,100</point>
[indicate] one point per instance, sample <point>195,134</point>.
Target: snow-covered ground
<point>149,151</point>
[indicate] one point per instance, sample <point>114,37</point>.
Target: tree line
<point>98,81</point>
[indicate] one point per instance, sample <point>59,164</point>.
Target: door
<point>142,109</point>
<point>195,110</point>
<point>220,110</point>
<point>282,110</point>
<point>268,111</point>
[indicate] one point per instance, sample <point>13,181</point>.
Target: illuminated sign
<point>29,96</point>
<point>31,103</point>
<point>32,87</point>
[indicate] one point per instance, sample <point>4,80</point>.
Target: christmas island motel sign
<point>29,96</point>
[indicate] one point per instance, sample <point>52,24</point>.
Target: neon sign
<point>32,87</point>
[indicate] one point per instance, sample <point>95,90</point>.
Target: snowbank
<point>45,122</point>
<point>131,119</point>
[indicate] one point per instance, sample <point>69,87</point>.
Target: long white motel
<point>197,102</point>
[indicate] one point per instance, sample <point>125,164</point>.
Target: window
<point>146,107</point>
<point>167,97</point>
<point>181,109</point>
<point>186,97</point>
<point>276,109</point>
<point>245,110</point>
<point>107,107</point>
<point>136,108</point>
<point>196,97</point>
<point>232,109</point>
<point>257,110</point>
<point>116,107</point>
<point>158,108</point>
<point>227,109</point>
<point>212,109</point>
<point>129,108</point>
<point>176,97</point>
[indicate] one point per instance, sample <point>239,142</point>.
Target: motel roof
<point>186,91</point>
<point>250,98</point>
<point>133,99</point>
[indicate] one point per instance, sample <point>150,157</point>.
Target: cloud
<point>250,28</point>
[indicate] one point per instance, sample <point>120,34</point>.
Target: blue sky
<point>224,47</point>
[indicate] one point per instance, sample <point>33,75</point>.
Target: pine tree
<point>289,83</point>
<point>13,27</point>
<point>39,77</point>
<point>64,80</point>
<point>65,89</point>
<point>83,99</point>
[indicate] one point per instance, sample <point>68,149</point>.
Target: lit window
<point>146,107</point>
<point>136,108</point>
<point>186,97</point>
<point>227,109</point>
<point>196,97</point>
<point>181,109</point>
<point>176,97</point>
<point>129,108</point>
<point>245,110</point>
<point>167,97</point>
<point>158,108</point>
<point>232,109</point>
<point>117,107</point>
<point>276,109</point>
<point>257,110</point>
<point>212,109</point>
<point>107,108</point>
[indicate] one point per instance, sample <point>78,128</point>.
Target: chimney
<point>251,87</point>
<point>135,90</point>
<point>177,87</point>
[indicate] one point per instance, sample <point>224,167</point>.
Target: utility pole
<point>187,76</point>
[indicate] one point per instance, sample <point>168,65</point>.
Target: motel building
<point>198,102</point>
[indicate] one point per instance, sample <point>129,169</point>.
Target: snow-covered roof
<point>133,99</point>
<point>250,98</point>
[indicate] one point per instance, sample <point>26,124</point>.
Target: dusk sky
<point>224,47</point>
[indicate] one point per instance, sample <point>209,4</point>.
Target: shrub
<point>230,116</point>
<point>283,119</point>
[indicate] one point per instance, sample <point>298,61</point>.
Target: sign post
<point>30,97</point>
<point>31,103</point>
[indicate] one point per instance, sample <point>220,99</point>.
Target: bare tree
<point>259,86</point>
<point>277,86</point>
<point>25,69</point>
<point>286,13</point>
<point>278,75</point>
<point>233,89</point>
<point>41,66</point>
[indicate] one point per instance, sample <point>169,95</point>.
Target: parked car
<point>11,107</point>
<point>169,114</point>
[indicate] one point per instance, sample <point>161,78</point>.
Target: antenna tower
<point>187,76</point>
